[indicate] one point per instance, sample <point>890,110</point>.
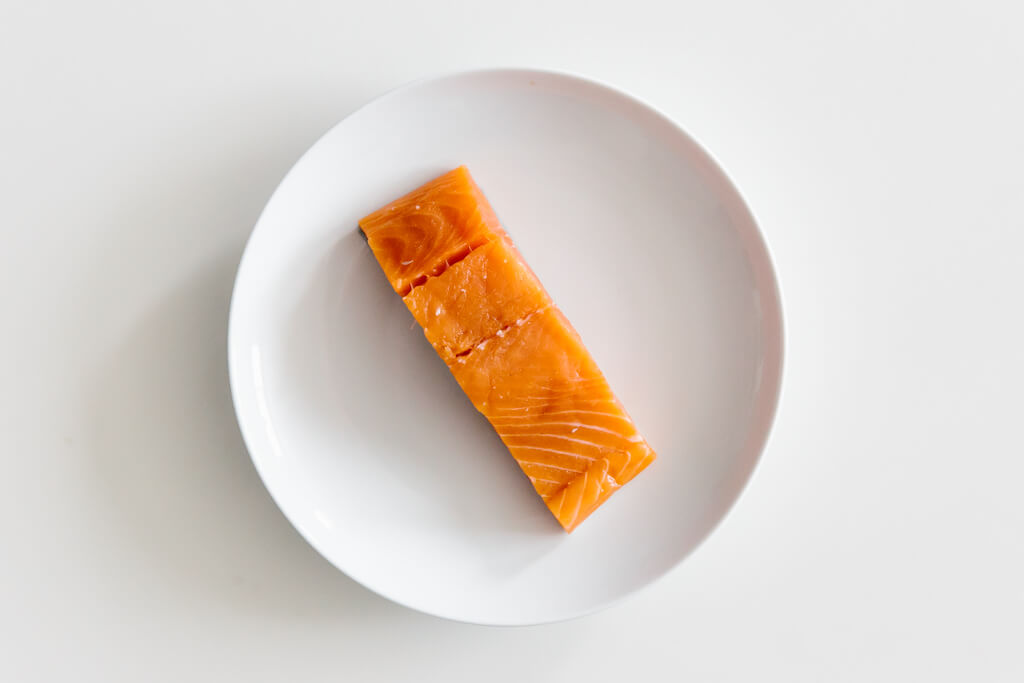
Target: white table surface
<point>880,144</point>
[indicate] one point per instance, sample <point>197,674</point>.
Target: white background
<point>880,144</point>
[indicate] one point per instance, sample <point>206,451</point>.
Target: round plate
<point>364,439</point>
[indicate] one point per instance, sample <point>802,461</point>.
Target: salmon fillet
<point>516,356</point>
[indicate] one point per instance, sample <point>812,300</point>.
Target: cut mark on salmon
<point>439,269</point>
<point>460,354</point>
<point>500,333</point>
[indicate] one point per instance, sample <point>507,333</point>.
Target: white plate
<point>364,439</point>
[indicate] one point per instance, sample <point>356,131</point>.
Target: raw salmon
<point>420,234</point>
<point>509,347</point>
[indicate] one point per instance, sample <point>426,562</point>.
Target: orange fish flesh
<point>509,347</point>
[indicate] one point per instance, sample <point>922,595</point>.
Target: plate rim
<point>713,164</point>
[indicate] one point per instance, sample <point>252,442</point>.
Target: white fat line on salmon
<point>501,418</point>
<point>632,439</point>
<point>560,402</point>
<point>508,439</point>
<point>565,395</point>
<point>554,450</point>
<point>536,463</point>
<point>561,502</point>
<point>579,500</point>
